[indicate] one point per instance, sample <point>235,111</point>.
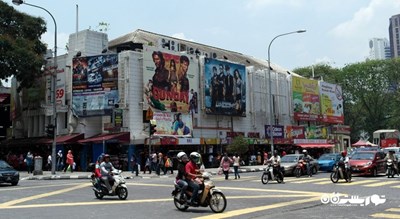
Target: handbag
<point>219,170</point>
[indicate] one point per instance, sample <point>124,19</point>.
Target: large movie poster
<point>170,81</point>
<point>331,103</point>
<point>306,103</point>
<point>225,88</point>
<point>94,85</point>
<point>173,124</point>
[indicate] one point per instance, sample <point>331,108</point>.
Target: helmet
<point>181,156</point>
<point>100,158</point>
<point>304,151</point>
<point>195,157</point>
<point>344,153</point>
<point>275,153</point>
<point>392,151</point>
<point>106,156</point>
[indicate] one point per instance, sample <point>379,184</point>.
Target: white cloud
<point>255,5</point>
<point>181,36</point>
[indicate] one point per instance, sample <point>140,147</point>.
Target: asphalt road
<point>367,197</point>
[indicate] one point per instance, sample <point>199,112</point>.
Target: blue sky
<point>338,31</point>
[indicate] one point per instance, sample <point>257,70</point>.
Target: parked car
<point>368,162</point>
<point>289,162</point>
<point>363,148</point>
<point>395,149</point>
<point>327,161</point>
<point>8,174</point>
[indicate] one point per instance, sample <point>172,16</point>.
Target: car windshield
<point>289,159</point>
<point>363,156</point>
<point>328,157</point>
<point>4,165</point>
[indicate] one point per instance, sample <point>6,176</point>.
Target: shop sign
<point>253,134</point>
<point>278,131</point>
<point>309,141</point>
<point>189,141</point>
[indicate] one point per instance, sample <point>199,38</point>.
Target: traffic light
<point>50,131</point>
<point>153,129</point>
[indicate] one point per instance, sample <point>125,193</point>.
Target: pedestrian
<point>154,162</point>
<point>168,165</point>
<point>48,163</point>
<point>265,157</point>
<point>29,161</point>
<point>283,153</point>
<point>134,164</point>
<point>160,164</point>
<point>236,164</point>
<point>20,161</point>
<point>225,165</point>
<point>59,161</point>
<point>147,165</point>
<point>69,162</point>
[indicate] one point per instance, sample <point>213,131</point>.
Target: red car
<point>368,162</point>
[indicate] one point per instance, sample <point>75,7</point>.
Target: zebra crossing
<point>388,213</point>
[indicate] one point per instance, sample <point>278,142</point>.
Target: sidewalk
<point>23,175</point>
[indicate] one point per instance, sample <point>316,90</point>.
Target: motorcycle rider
<point>391,155</point>
<point>275,160</point>
<point>345,159</point>
<point>182,175</point>
<point>192,169</point>
<point>106,168</point>
<point>307,158</point>
<point>97,170</point>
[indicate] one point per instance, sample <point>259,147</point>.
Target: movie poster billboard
<point>170,81</point>
<point>94,85</point>
<point>331,103</point>
<point>225,88</point>
<point>306,102</point>
<point>177,124</point>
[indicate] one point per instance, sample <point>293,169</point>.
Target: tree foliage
<point>239,145</point>
<point>370,92</point>
<point>21,51</point>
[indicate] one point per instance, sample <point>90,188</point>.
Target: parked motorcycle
<point>268,175</point>
<point>340,172</point>
<point>208,196</point>
<point>118,189</point>
<point>390,168</point>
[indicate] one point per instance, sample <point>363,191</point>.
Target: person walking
<point>134,164</point>
<point>168,165</point>
<point>59,161</point>
<point>29,161</point>
<point>225,165</point>
<point>69,162</point>
<point>147,165</point>
<point>236,165</point>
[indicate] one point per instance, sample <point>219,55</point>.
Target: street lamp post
<point>271,128</point>
<point>53,85</point>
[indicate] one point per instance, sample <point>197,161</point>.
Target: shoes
<point>193,203</point>
<point>239,176</point>
<point>110,191</point>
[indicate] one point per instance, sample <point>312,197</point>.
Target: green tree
<point>239,145</point>
<point>21,51</point>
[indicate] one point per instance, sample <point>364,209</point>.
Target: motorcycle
<point>390,172</point>
<point>340,172</point>
<point>118,189</point>
<point>268,175</point>
<point>301,168</point>
<point>208,196</point>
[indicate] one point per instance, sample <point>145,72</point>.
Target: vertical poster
<point>94,85</point>
<point>331,103</point>
<point>306,102</point>
<point>225,88</point>
<point>170,81</point>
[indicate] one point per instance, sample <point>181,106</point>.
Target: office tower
<point>394,35</point>
<point>379,48</point>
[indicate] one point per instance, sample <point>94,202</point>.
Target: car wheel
<point>314,170</point>
<point>14,183</point>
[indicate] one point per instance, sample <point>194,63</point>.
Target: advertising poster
<point>170,81</point>
<point>316,132</point>
<point>278,131</point>
<point>331,103</point>
<point>94,85</point>
<point>295,132</point>
<point>306,103</point>
<point>225,88</point>
<point>177,124</point>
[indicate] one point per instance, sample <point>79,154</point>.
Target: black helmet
<point>275,153</point>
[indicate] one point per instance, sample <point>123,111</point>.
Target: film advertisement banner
<point>331,103</point>
<point>173,124</point>
<point>225,88</point>
<point>94,85</point>
<point>306,103</point>
<point>170,81</point>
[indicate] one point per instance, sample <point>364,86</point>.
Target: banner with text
<point>331,103</point>
<point>306,102</point>
<point>173,124</point>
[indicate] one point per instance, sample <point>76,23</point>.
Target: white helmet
<point>181,155</point>
<point>304,151</point>
<point>196,157</point>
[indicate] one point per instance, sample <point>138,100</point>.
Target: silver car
<point>289,162</point>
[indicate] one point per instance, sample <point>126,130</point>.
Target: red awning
<point>111,137</point>
<point>315,145</point>
<point>64,139</point>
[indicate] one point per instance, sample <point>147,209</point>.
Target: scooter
<point>390,172</point>
<point>268,175</point>
<point>208,196</point>
<point>301,168</point>
<point>340,172</point>
<point>118,189</point>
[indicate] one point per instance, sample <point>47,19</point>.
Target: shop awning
<point>315,145</point>
<point>65,139</point>
<point>108,138</point>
